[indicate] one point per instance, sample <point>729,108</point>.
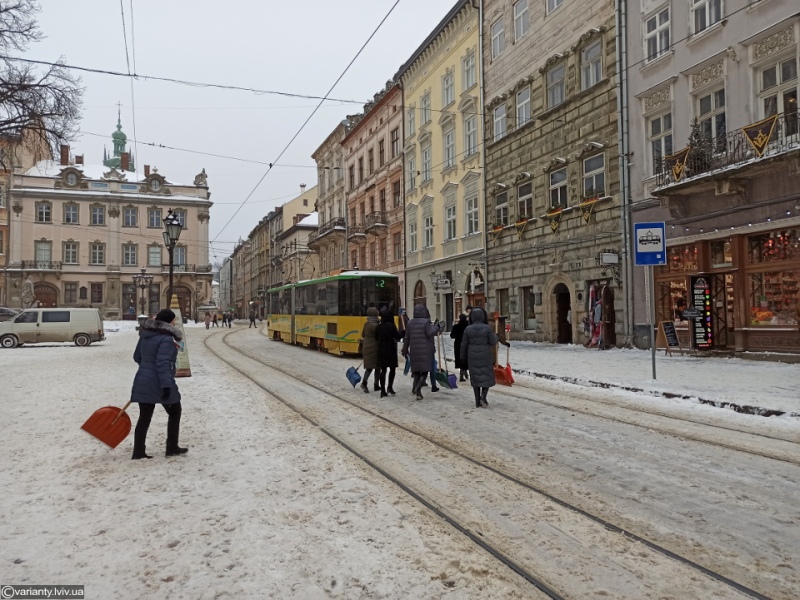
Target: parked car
<point>34,325</point>
<point>7,314</point>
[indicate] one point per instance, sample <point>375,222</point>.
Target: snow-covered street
<point>267,505</point>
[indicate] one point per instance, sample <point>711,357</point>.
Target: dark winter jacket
<point>387,335</point>
<point>419,339</point>
<point>477,347</point>
<point>457,333</point>
<point>155,354</point>
<point>369,349</point>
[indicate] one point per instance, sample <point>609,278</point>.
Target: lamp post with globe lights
<point>172,232</point>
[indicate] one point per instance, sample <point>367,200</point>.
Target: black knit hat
<point>165,315</point>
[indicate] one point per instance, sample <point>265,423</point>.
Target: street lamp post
<point>172,232</point>
<point>143,282</point>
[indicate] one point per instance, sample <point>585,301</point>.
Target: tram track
<point>784,450</point>
<point>513,538</point>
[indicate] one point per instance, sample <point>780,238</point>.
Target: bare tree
<point>43,102</point>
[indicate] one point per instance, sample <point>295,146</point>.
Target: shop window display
<point>775,246</point>
<point>775,298</point>
<point>681,259</point>
<point>721,254</point>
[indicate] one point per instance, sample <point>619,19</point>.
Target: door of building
<point>448,312</point>
<point>46,295</point>
<point>722,310</point>
<point>563,312</point>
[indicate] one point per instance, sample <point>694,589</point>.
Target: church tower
<point>120,140</point>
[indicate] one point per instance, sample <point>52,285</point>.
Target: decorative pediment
<point>522,83</point>
<point>590,148</point>
<point>70,177</point>
<point>450,185</point>
<point>497,100</point>
<point>498,187</point>
<point>555,163</point>
<point>522,176</point>
<point>469,177</point>
<point>424,137</point>
<point>446,117</point>
<point>426,202</point>
<point>593,32</point>
<point>468,104</point>
<point>113,212</point>
<point>412,208</point>
<point>558,56</point>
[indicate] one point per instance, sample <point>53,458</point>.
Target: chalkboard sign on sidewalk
<point>668,338</point>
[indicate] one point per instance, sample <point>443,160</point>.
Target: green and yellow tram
<point>329,313</point>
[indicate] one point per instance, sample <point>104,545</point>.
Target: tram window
<point>380,292</point>
<point>332,298</point>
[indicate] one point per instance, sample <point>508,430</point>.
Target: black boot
<point>484,403</point>
<point>173,429</point>
<point>477,392</point>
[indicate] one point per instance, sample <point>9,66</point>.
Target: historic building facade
<point>81,232</point>
<point>553,204</point>
<point>330,239</point>
<point>713,91</point>
<point>374,162</point>
<point>443,166</point>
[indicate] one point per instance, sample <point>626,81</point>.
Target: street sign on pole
<point>650,243</point>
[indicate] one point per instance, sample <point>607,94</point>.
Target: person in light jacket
<point>477,348</point>
<point>418,345</point>
<point>154,382</point>
<point>369,349</point>
<point>207,319</point>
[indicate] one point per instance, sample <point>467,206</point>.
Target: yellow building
<point>443,149</point>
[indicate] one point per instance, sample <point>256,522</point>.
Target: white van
<point>35,325</point>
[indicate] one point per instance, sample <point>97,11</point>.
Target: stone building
<point>443,167</point>
<point>374,163</point>
<point>330,239</point>
<point>81,232</point>
<point>714,135</point>
<point>553,202</point>
<point>18,153</point>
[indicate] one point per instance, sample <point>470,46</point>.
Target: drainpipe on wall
<point>624,162</point>
<point>485,258</point>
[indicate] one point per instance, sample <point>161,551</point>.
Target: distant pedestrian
<point>477,348</point>
<point>253,317</point>
<point>418,345</point>
<point>207,319</point>
<point>457,333</point>
<point>387,335</point>
<point>369,349</point>
<point>214,320</point>
<point>154,382</point>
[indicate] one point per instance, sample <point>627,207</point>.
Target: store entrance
<point>722,313</point>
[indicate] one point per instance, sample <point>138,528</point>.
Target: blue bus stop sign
<point>650,243</point>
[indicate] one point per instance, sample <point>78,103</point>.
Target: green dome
<point>118,134</point>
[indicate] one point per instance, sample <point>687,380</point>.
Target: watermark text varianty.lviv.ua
<point>53,592</point>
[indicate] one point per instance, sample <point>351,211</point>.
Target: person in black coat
<point>154,382</point>
<point>387,335</point>
<point>457,333</point>
<point>418,344</point>
<point>477,347</point>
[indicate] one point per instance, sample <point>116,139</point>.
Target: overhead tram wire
<point>313,112</point>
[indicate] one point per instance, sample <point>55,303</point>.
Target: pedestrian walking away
<point>207,320</point>
<point>253,317</point>
<point>387,335</point>
<point>457,333</point>
<point>369,349</point>
<point>477,349</point>
<point>214,320</point>
<point>418,345</point>
<point>154,382</point>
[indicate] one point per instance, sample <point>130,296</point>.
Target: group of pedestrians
<point>474,343</point>
<point>213,320</point>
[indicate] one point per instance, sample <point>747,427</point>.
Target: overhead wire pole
<point>313,112</point>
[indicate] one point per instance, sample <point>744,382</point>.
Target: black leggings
<point>382,377</point>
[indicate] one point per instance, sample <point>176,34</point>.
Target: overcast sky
<point>299,47</point>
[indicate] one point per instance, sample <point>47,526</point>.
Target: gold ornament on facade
<point>759,134</point>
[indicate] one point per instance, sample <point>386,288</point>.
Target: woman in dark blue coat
<point>477,348</point>
<point>154,383</point>
<point>418,345</point>
<point>457,333</point>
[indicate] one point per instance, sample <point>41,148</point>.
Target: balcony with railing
<point>331,228</point>
<point>730,152</point>
<point>375,222</point>
<point>41,265</point>
<point>356,233</point>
